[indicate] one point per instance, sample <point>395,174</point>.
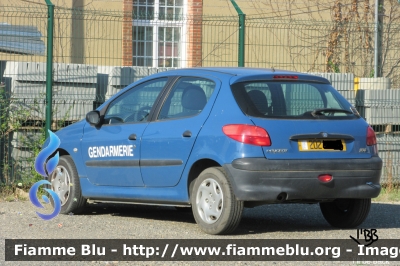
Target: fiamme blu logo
<point>45,166</point>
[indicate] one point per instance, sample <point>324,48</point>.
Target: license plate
<point>322,145</point>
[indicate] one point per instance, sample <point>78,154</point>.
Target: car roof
<point>242,74</point>
<point>239,71</point>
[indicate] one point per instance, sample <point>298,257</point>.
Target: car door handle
<point>187,134</point>
<point>132,137</point>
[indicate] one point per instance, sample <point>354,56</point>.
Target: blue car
<point>217,140</point>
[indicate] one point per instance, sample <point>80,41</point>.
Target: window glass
<point>170,9</point>
<point>143,46</point>
<point>143,9</point>
<point>135,104</point>
<point>188,97</point>
<point>168,46</point>
<point>301,98</point>
<point>157,33</point>
<point>260,95</point>
<point>289,99</point>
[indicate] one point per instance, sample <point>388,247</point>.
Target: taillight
<point>371,137</point>
<point>247,134</point>
<point>325,178</point>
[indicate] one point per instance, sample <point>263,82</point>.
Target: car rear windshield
<point>287,99</point>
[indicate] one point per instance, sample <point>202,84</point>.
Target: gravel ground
<point>118,221</point>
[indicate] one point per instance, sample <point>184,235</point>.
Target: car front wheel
<point>346,213</point>
<point>65,183</point>
<point>214,204</point>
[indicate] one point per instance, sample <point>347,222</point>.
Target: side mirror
<point>93,118</point>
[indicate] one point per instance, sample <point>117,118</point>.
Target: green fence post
<point>242,26</point>
<point>49,66</point>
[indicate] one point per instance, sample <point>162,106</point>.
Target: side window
<point>187,98</point>
<point>135,104</point>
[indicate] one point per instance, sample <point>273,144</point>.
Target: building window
<point>170,9</point>
<point>157,33</point>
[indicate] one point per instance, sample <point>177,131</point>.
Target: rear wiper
<point>317,112</point>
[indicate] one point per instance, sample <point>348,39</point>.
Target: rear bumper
<point>260,179</point>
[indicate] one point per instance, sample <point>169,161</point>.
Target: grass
<point>6,193</point>
<point>9,198</point>
<point>10,192</point>
<point>389,194</point>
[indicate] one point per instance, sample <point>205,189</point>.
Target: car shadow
<point>262,219</point>
<point>308,217</point>
<point>161,213</point>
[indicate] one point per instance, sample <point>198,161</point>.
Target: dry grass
<point>389,194</point>
<point>13,193</point>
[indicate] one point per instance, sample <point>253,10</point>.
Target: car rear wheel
<point>345,213</point>
<point>214,204</point>
<point>65,183</point>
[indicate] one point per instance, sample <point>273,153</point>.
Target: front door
<point>111,153</point>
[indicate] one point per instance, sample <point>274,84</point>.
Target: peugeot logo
<point>324,134</point>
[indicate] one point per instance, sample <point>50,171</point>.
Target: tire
<point>65,182</point>
<point>345,213</point>
<point>223,212</point>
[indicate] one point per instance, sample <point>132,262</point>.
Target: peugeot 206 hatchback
<point>221,139</point>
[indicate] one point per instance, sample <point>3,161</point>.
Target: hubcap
<point>209,201</point>
<point>61,183</point>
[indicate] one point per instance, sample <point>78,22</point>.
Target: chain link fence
<point>98,52</point>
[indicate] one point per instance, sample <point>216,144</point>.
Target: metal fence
<point>98,52</point>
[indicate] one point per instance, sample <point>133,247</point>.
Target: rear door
<point>168,141</point>
<point>303,119</point>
